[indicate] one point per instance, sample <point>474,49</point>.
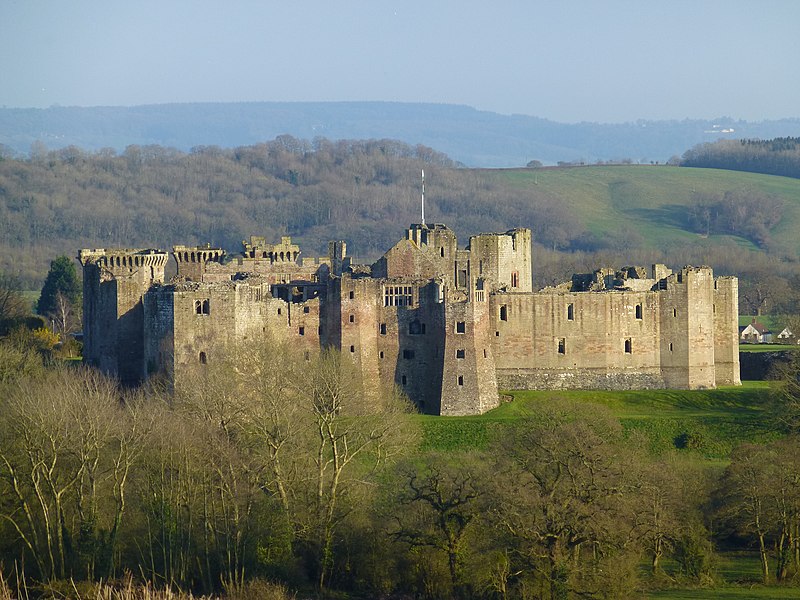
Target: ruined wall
<point>159,327</point>
<point>607,340</point>
<point>425,253</point>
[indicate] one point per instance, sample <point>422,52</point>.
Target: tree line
<point>272,467</point>
<point>778,156</point>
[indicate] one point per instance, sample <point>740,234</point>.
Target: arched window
<point>203,358</point>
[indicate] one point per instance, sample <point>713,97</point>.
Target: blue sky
<point>608,61</point>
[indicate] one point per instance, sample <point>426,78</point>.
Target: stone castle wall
<point>447,326</point>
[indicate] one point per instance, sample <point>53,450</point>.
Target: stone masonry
<point>449,326</point>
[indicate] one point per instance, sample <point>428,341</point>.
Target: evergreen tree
<point>61,279</point>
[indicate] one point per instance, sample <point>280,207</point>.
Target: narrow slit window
<point>352,349</point>
<point>383,328</point>
<point>203,358</point>
<point>504,313</point>
<point>570,312</point>
<point>670,346</point>
<point>352,295</point>
<point>301,330</point>
<point>639,311</point>
<point>460,380</point>
<point>352,318</point>
<point>403,380</point>
<point>514,279</point>
<point>562,346</point>
<point>461,327</point>
<point>628,346</point>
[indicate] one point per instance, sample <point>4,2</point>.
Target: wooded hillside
<point>367,192</point>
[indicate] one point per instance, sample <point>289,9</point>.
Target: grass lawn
<point>767,347</point>
<point>706,423</point>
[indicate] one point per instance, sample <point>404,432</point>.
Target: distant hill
<point>474,138</point>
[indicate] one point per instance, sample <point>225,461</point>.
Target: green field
<point>712,421</point>
<point>650,200</point>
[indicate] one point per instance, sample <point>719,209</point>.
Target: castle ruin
<point>449,326</point>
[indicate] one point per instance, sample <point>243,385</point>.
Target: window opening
<point>628,346</point>
<point>570,312</point>
<point>461,353</point>
<point>670,346</point>
<point>460,380</point>
<point>408,354</point>
<point>461,327</point>
<point>301,331</point>
<point>504,313</point>
<point>203,358</point>
<point>398,295</point>
<point>352,318</point>
<point>352,348</point>
<point>202,307</point>
<point>514,279</point>
<point>403,380</point>
<point>562,346</point>
<point>352,295</point>
<point>383,328</point>
<point>416,328</point>
<point>638,311</point>
<point>306,309</point>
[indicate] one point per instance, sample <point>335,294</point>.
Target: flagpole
<point>423,196</point>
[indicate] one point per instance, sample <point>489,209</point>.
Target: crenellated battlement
<point>284,252</point>
<point>124,258</point>
<point>197,254</point>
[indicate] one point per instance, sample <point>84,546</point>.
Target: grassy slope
<point>649,199</point>
<point>716,420</point>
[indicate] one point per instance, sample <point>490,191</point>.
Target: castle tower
<point>726,334</point>
<point>503,259</point>
<point>192,260</point>
<point>687,329</point>
<point>469,378</point>
<point>114,283</point>
<point>337,253</point>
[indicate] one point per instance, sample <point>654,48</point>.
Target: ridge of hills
<point>367,193</point>
<point>472,137</point>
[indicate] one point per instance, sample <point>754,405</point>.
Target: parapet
<point>197,253</point>
<point>123,258</point>
<point>283,252</point>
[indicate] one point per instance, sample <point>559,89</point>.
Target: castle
<point>449,326</point>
